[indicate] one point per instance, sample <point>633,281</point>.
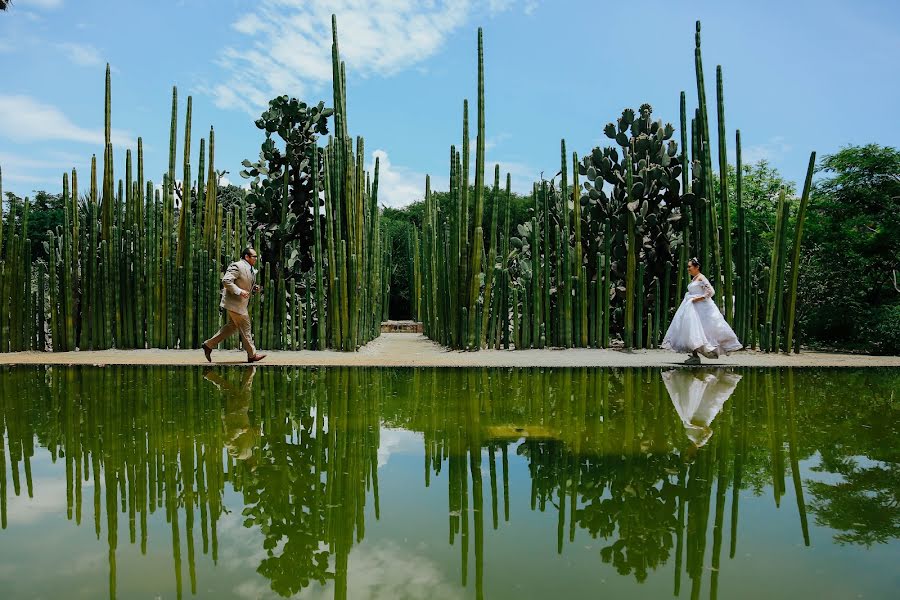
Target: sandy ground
<point>415,350</point>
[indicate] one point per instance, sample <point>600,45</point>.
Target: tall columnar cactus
<point>474,275</point>
<point>795,263</point>
<point>742,284</point>
<point>772,298</point>
<point>703,145</point>
<point>631,242</point>
<point>723,198</point>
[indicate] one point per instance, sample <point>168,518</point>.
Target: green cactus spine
<point>769,339</point>
<point>631,260</point>
<point>795,263</point>
<point>475,258</point>
<point>723,199</point>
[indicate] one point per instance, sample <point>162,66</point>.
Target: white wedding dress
<point>699,325</point>
<point>698,396</point>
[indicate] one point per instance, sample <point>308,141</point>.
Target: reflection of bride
<point>698,396</point>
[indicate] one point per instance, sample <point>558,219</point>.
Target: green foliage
<point>45,215</point>
<point>852,250</point>
<point>520,208</point>
<point>398,229</point>
<point>760,187</point>
<point>884,330</point>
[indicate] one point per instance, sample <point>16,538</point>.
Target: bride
<point>698,327</point>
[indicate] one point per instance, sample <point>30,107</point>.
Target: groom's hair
<point>247,251</point>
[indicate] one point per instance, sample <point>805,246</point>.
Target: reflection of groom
<point>240,435</point>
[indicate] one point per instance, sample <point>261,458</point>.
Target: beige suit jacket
<point>239,276</point>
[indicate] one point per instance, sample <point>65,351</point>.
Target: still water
<point>410,483</point>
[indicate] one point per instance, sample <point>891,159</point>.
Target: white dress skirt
<point>698,396</point>
<point>700,326</point>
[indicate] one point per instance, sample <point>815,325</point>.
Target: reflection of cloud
<point>398,441</point>
<point>386,571</point>
<point>84,562</point>
<point>48,502</point>
<point>244,545</point>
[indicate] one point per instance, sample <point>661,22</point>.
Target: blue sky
<point>799,76</point>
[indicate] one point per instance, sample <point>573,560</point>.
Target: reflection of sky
<point>406,554</point>
<point>398,441</point>
<point>388,571</point>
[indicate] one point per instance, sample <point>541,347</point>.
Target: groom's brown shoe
<point>207,351</point>
<point>255,358</point>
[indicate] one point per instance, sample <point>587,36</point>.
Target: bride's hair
<point>694,262</point>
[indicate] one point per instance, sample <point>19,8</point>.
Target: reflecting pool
<point>449,483</point>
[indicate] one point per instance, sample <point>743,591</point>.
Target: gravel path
<point>415,350</point>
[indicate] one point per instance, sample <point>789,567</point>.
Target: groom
<point>238,283</point>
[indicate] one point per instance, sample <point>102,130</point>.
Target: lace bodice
<point>701,287</point>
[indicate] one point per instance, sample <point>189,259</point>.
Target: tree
<point>852,250</point>
<point>45,214</point>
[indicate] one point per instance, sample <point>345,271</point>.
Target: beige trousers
<point>235,322</point>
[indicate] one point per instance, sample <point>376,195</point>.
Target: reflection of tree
<point>857,441</point>
<point>865,506</point>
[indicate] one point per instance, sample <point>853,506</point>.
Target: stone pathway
<point>415,350</point>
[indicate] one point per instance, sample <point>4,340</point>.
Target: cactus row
<point>590,263</point>
<point>134,266</point>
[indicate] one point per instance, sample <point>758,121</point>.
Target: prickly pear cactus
<point>657,197</point>
<point>286,219</point>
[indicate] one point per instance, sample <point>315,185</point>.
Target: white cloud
<point>522,176</point>
<point>774,149</point>
<point>83,55</point>
<point>24,119</point>
<point>496,6</point>
<point>39,3</point>
<point>48,169</point>
<point>397,185</point>
<point>289,46</point>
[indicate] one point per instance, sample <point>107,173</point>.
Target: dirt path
<point>414,350</point>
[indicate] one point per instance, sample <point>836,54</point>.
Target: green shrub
<point>884,330</point>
